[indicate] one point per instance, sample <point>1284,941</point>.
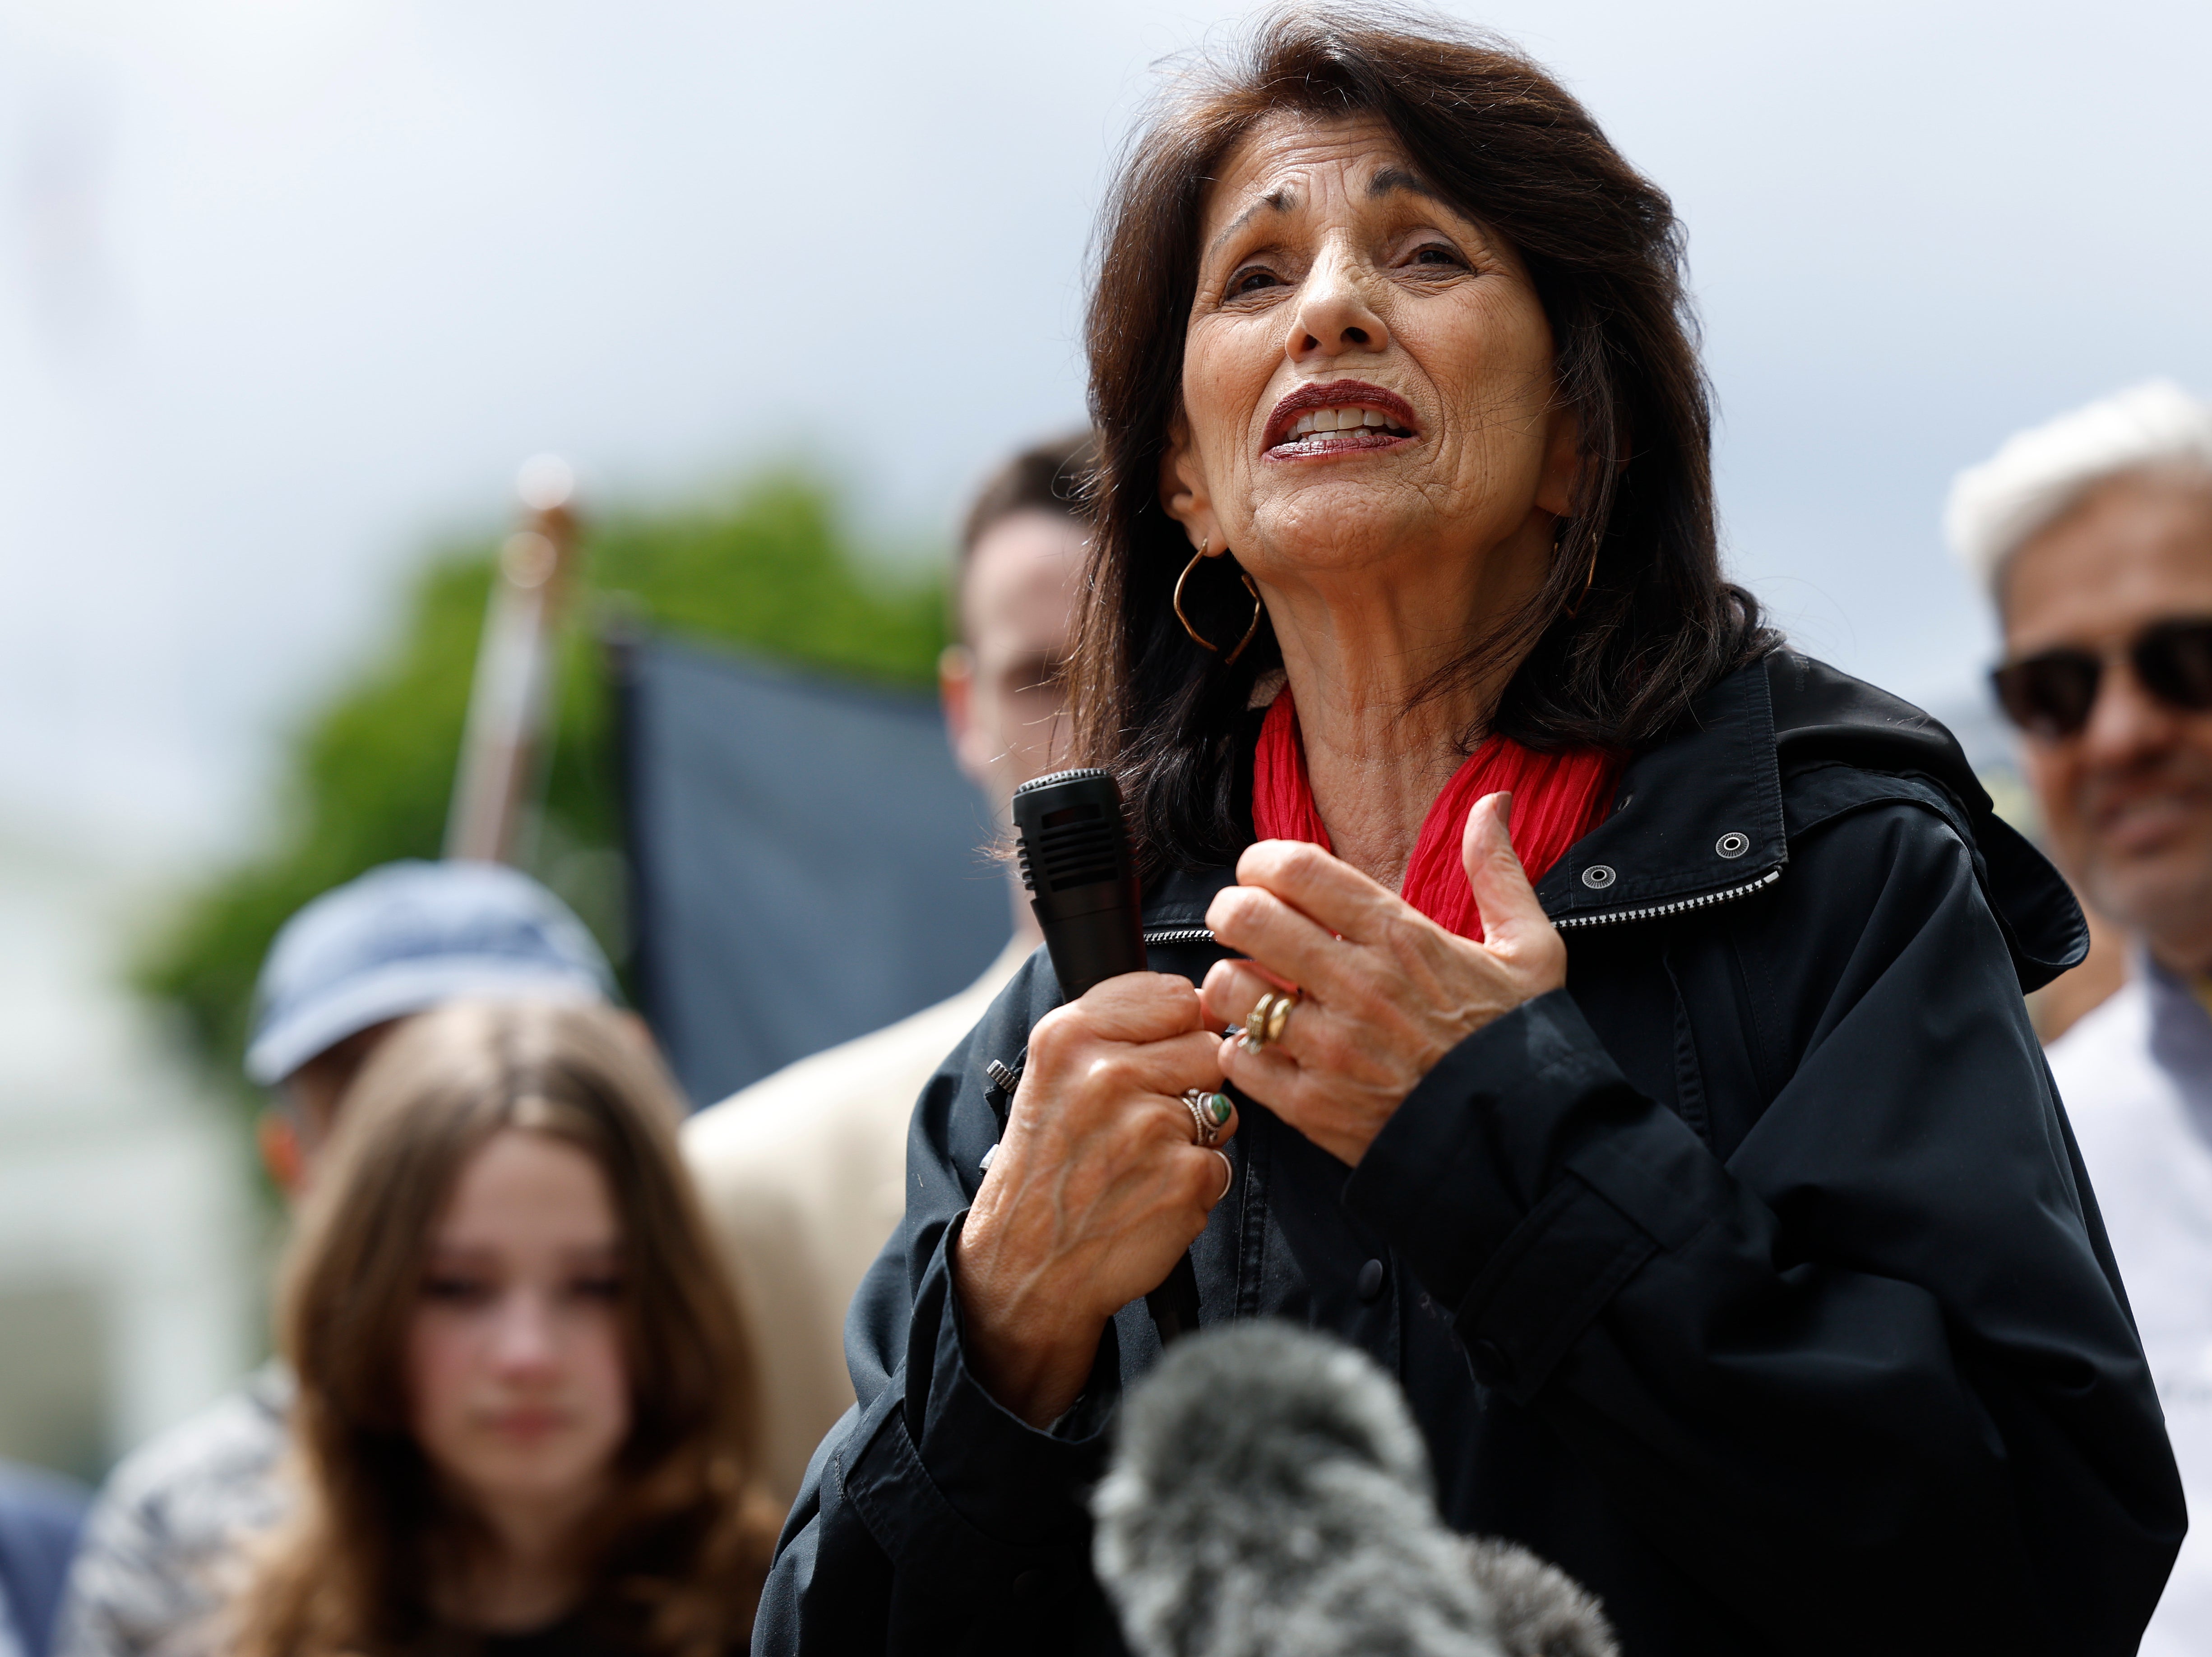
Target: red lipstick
<point>1342,394</point>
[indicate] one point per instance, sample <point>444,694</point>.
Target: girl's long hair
<point>673,1561</point>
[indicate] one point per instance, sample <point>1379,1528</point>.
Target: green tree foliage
<point>368,772</point>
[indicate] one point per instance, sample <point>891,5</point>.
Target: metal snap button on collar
<point>1732,844</point>
<point>1599,875</point>
<point>1371,1281</point>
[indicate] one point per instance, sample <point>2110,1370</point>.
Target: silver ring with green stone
<point>1209,1115</point>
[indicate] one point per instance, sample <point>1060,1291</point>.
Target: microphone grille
<point>1069,831</point>
<point>1054,779</point>
<point>1081,853</point>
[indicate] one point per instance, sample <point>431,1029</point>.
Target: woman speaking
<point>1631,1054</point>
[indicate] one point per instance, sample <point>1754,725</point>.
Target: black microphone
<point>1073,842</point>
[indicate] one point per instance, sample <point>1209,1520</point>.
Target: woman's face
<point>1367,372</point>
<point>516,1372</point>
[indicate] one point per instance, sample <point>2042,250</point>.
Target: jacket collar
<point>1697,817</point>
<point>1666,840</point>
<point>1700,819</point>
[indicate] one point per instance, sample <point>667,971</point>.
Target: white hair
<point>2040,472</point>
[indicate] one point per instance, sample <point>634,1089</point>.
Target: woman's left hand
<point>1385,992</point>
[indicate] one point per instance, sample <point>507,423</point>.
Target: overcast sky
<point>289,287</point>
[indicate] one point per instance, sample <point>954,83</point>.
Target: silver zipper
<point>1178,935</point>
<point>1204,934</point>
<point>1657,910</point>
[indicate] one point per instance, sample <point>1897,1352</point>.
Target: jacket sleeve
<point>931,1520</point>
<point>1871,1379</point>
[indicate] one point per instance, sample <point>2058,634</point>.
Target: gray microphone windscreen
<point>1269,1497</point>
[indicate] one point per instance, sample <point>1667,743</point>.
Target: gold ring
<point>1270,1013</point>
<point>1255,1023</point>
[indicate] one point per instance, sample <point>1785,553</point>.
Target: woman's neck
<point>1364,658</point>
<point>529,1575</point>
<point>1377,762</point>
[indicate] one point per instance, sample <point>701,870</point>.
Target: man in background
<point>804,1173</point>
<point>2093,534</point>
<point>340,976</point>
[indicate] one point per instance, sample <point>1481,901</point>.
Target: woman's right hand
<point>1097,1187</point>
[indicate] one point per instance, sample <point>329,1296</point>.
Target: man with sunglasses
<point>2093,534</point>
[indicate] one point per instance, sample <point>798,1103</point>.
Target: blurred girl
<point>524,1399</point>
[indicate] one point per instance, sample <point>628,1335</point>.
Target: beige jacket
<point>804,1176</point>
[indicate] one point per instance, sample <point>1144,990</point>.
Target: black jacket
<point>1754,1277</point>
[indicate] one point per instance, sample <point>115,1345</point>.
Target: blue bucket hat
<point>410,935</point>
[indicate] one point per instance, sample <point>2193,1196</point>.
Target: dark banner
<point>806,863</point>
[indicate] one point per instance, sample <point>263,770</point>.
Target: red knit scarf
<point>1557,799</point>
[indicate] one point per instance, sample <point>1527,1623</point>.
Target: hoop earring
<point>1589,581</point>
<point>1200,639</point>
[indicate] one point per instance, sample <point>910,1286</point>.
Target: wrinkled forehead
<point>1290,160</point>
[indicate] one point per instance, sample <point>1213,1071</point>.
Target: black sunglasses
<point>2051,695</point>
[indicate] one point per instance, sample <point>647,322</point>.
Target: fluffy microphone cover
<point>1269,1497</point>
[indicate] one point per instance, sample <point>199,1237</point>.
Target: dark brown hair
<point>1051,476</point>
<point>1635,619</point>
<point>674,1560</point>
